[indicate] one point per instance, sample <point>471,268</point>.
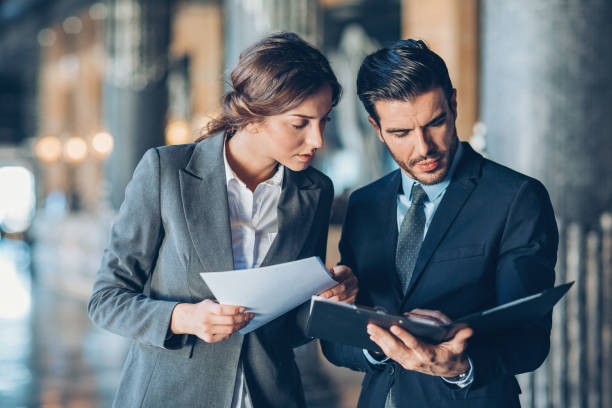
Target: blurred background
<point>87,86</point>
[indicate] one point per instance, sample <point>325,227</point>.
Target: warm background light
<point>102,144</point>
<point>200,122</point>
<point>75,150</point>
<point>72,25</point>
<point>178,132</point>
<point>48,149</point>
<point>98,11</point>
<point>46,37</point>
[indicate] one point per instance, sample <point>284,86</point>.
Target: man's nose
<point>424,145</point>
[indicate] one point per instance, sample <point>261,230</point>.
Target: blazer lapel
<point>204,196</point>
<point>456,195</point>
<point>383,247</point>
<point>297,206</point>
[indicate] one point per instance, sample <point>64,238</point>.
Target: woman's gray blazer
<point>173,225</point>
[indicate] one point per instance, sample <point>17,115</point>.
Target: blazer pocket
<point>451,254</point>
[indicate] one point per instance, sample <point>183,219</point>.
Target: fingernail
<point>394,330</point>
<point>242,310</point>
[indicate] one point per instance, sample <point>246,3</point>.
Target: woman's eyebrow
<point>300,115</point>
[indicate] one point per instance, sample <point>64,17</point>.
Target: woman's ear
<point>253,127</point>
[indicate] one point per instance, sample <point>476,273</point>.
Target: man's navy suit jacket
<point>493,239</point>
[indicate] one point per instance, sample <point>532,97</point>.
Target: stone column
<point>135,92</point>
<point>545,99</point>
<point>246,21</point>
<point>450,28</point>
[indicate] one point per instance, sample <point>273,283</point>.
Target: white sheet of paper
<point>270,291</point>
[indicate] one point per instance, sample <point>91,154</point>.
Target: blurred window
<point>17,198</point>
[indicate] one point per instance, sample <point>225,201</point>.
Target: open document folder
<point>270,291</point>
<point>343,323</point>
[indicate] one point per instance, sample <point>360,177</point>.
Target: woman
<point>217,205</point>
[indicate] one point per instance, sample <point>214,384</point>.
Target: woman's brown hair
<point>272,76</point>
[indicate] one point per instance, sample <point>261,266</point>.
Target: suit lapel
<point>383,246</point>
<point>457,193</point>
<point>297,206</point>
<point>204,196</point>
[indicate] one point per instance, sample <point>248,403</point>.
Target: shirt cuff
<point>469,378</point>
<point>372,360</point>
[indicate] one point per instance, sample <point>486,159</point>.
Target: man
<point>448,234</point>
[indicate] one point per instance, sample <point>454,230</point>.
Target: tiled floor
<point>51,356</point>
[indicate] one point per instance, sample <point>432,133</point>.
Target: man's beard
<point>435,155</point>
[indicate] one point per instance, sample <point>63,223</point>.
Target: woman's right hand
<point>209,320</point>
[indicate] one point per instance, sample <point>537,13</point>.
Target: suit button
<point>392,371</point>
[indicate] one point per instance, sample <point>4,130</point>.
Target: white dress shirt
<point>254,225</point>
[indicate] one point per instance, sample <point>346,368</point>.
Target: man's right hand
<point>447,359</point>
<point>209,320</point>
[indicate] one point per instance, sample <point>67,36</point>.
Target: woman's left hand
<point>347,287</point>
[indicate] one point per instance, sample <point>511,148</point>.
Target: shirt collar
<point>433,190</point>
<point>275,180</point>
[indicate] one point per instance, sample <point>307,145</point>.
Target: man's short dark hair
<point>401,72</point>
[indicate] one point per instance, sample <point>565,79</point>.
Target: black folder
<point>343,323</point>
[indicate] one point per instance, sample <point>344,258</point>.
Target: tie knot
<point>419,196</point>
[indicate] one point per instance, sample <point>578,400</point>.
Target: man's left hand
<point>347,287</point>
<point>446,359</point>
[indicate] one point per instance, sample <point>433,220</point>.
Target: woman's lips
<point>305,157</point>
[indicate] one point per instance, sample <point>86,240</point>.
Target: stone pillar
<point>545,100</point>
<point>202,101</point>
<point>135,92</point>
<point>246,21</point>
<point>450,28</point>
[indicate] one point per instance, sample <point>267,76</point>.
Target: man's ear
<point>376,128</point>
<point>453,102</point>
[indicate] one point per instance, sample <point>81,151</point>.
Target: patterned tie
<point>408,246</point>
<point>410,236</point>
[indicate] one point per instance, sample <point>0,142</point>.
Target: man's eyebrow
<point>437,118</point>
<point>441,116</point>
<point>397,130</point>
